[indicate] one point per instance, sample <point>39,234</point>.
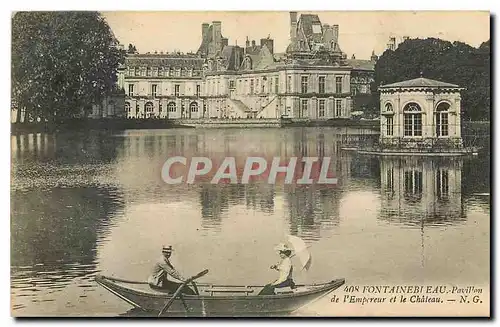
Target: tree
<point>456,62</point>
<point>62,62</point>
<point>132,49</point>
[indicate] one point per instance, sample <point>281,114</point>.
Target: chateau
<point>311,80</point>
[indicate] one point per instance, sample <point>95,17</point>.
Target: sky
<point>360,32</point>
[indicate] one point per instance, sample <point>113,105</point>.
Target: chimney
<point>293,26</point>
<point>216,36</point>
<point>204,31</point>
<point>335,33</point>
<point>269,43</point>
<point>327,36</point>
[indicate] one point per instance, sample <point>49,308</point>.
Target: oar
<point>187,281</point>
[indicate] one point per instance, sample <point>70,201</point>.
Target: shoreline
<point>120,124</point>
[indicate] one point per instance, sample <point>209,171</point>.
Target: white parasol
<point>300,250</point>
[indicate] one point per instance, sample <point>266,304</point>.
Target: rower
<point>285,269</point>
<point>162,269</point>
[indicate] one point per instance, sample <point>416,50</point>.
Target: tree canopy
<point>62,62</point>
<point>456,63</point>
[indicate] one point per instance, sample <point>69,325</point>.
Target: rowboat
<point>219,300</point>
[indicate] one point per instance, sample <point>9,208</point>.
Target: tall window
<point>127,107</point>
<point>232,84</point>
<point>338,84</point>
<point>251,86</point>
<point>321,86</point>
<point>171,107</point>
<point>442,119</point>
<point>193,107</point>
<point>160,71</point>
<point>338,108</point>
<point>263,86</point>
<point>131,90</point>
<point>148,107</point>
<point>176,89</point>
<point>388,107</point>
<point>198,88</point>
<point>442,184</point>
<point>276,84</point>
<point>321,111</point>
<point>289,85</point>
<point>303,84</point>
<point>412,114</point>
<point>136,71</point>
<point>154,88</point>
<point>148,71</point>
<point>303,108</point>
<point>390,125</point>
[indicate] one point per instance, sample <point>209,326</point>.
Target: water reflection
<point>416,190</point>
<point>78,198</point>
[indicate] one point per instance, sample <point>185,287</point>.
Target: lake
<point>95,203</point>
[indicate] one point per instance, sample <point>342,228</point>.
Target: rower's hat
<point>166,248</point>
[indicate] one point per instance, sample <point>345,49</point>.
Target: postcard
<point>250,164</point>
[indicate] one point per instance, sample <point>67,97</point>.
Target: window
<point>338,84</point>
<point>251,86</point>
<point>193,107</point>
<point>388,107</point>
<point>171,72</point>
<point>263,86</point>
<point>303,108</point>
<point>176,89</point>
<point>442,119</point>
<point>136,71</point>
<point>303,84</point>
<point>442,184</point>
<point>232,85</point>
<point>148,71</point>
<point>160,71</point>
<point>289,85</point>
<point>276,84</point>
<point>338,108</point>
<point>131,90</point>
<point>390,126</point>
<point>198,88</point>
<point>178,72</point>
<point>257,85</point>
<point>127,107</point>
<point>321,84</point>
<point>171,107</point>
<point>148,107</point>
<point>321,111</point>
<point>412,114</point>
<point>413,183</point>
<point>154,88</point>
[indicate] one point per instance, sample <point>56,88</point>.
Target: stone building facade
<point>311,80</point>
<point>420,113</point>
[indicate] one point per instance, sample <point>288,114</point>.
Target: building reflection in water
<point>421,190</point>
<point>309,209</point>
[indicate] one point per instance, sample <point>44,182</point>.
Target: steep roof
<point>420,82</point>
<point>178,61</point>
<point>306,22</point>
<point>361,64</point>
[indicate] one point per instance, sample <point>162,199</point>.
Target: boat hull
<point>221,305</point>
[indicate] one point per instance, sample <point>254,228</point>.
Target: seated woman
<point>285,269</point>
